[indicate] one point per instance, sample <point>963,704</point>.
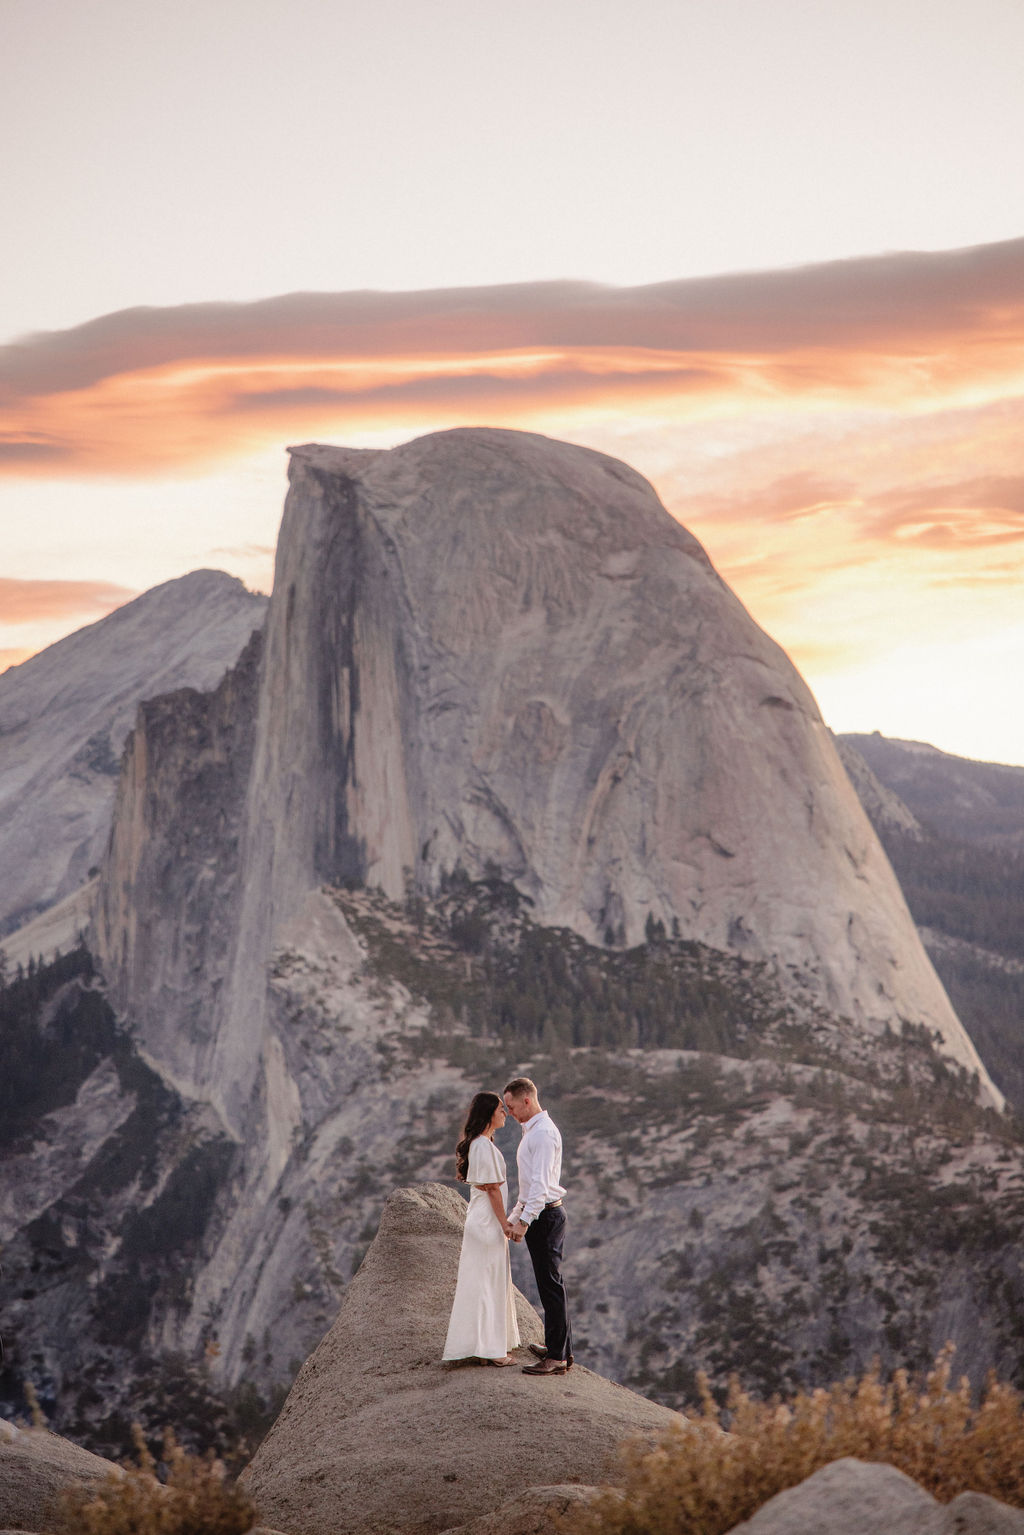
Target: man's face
<point>519,1108</point>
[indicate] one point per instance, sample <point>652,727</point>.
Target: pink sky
<point>416,183</point>
<point>844,438</point>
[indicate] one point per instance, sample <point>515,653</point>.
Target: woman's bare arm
<point>493,1192</point>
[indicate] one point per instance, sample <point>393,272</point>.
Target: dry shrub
<point>197,1498</point>
<point>701,1479</point>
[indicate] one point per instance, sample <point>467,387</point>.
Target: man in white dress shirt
<point>538,1216</point>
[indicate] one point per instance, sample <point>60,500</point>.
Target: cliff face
<point>165,908</point>
<point>491,653</point>
<point>523,660</point>
<point>490,649</point>
<point>65,714</point>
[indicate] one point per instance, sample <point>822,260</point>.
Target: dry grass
<point>700,1480</point>
<point>197,1499</point>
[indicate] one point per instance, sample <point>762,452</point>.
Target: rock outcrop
<point>377,1435</point>
<point>486,649</point>
<point>532,1512</point>
<point>853,1497</point>
<point>35,1468</point>
<point>494,665</point>
<point>65,713</point>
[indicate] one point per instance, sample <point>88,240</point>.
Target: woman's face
<point>497,1118</point>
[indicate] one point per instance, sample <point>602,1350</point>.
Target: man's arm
<point>534,1197</point>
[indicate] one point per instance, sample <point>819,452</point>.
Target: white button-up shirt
<point>539,1160</point>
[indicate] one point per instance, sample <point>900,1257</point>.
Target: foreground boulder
<point>35,1468</point>
<point>853,1497</point>
<point>377,1435</point>
<point>529,1513</point>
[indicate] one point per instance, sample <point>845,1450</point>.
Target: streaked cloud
<point>190,386</point>
<point>33,602</point>
<point>846,440</point>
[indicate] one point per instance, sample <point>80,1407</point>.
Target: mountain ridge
<point>66,712</point>
<point>333,907</point>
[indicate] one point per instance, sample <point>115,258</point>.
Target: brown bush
<point>702,1478</point>
<point>197,1499</point>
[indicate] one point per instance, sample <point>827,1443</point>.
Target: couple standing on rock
<point>483,1321</point>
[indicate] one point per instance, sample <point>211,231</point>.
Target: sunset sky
<point>771,252</point>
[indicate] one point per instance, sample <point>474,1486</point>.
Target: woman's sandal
<point>499,1363</point>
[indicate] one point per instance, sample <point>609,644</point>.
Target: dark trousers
<point>545,1237</point>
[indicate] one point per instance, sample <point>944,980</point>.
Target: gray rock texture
<point>377,1435</point>
<point>532,1512</point>
<point>853,1497</point>
<point>489,649</point>
<point>35,1468</point>
<point>972,1513</point>
<point>849,1497</point>
<point>65,713</point>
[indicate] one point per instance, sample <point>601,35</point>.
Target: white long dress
<point>483,1320</point>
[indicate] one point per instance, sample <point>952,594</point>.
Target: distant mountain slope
<point>957,846</point>
<point>959,798</point>
<point>65,713</point>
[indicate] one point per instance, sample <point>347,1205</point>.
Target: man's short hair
<point>521,1087</point>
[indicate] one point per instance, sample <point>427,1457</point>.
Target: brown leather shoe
<point>541,1353</point>
<point>546,1367</point>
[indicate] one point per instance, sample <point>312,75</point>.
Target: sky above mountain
<point>770,255</point>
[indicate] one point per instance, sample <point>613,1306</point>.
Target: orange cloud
<point>175,390</point>
<point>29,602</point>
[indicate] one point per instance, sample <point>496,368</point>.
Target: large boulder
<point>854,1497</point>
<point>377,1435</point>
<point>35,1468</point>
<point>532,1512</point>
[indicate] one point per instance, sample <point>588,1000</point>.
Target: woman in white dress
<point>483,1320</point>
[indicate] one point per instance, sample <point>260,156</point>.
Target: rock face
<point>35,1468</point>
<point>532,1512</point>
<point>851,1497</point>
<point>377,1435</point>
<point>494,665</point>
<point>65,713</point>
<point>487,649</point>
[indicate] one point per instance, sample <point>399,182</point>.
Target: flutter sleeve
<point>483,1162</point>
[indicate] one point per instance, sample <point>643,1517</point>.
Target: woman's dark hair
<point>481,1112</point>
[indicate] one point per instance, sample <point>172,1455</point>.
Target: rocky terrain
<point>65,714</point>
<point>851,1497</point>
<point>954,831</point>
<point>377,1435</point>
<point>510,781</point>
